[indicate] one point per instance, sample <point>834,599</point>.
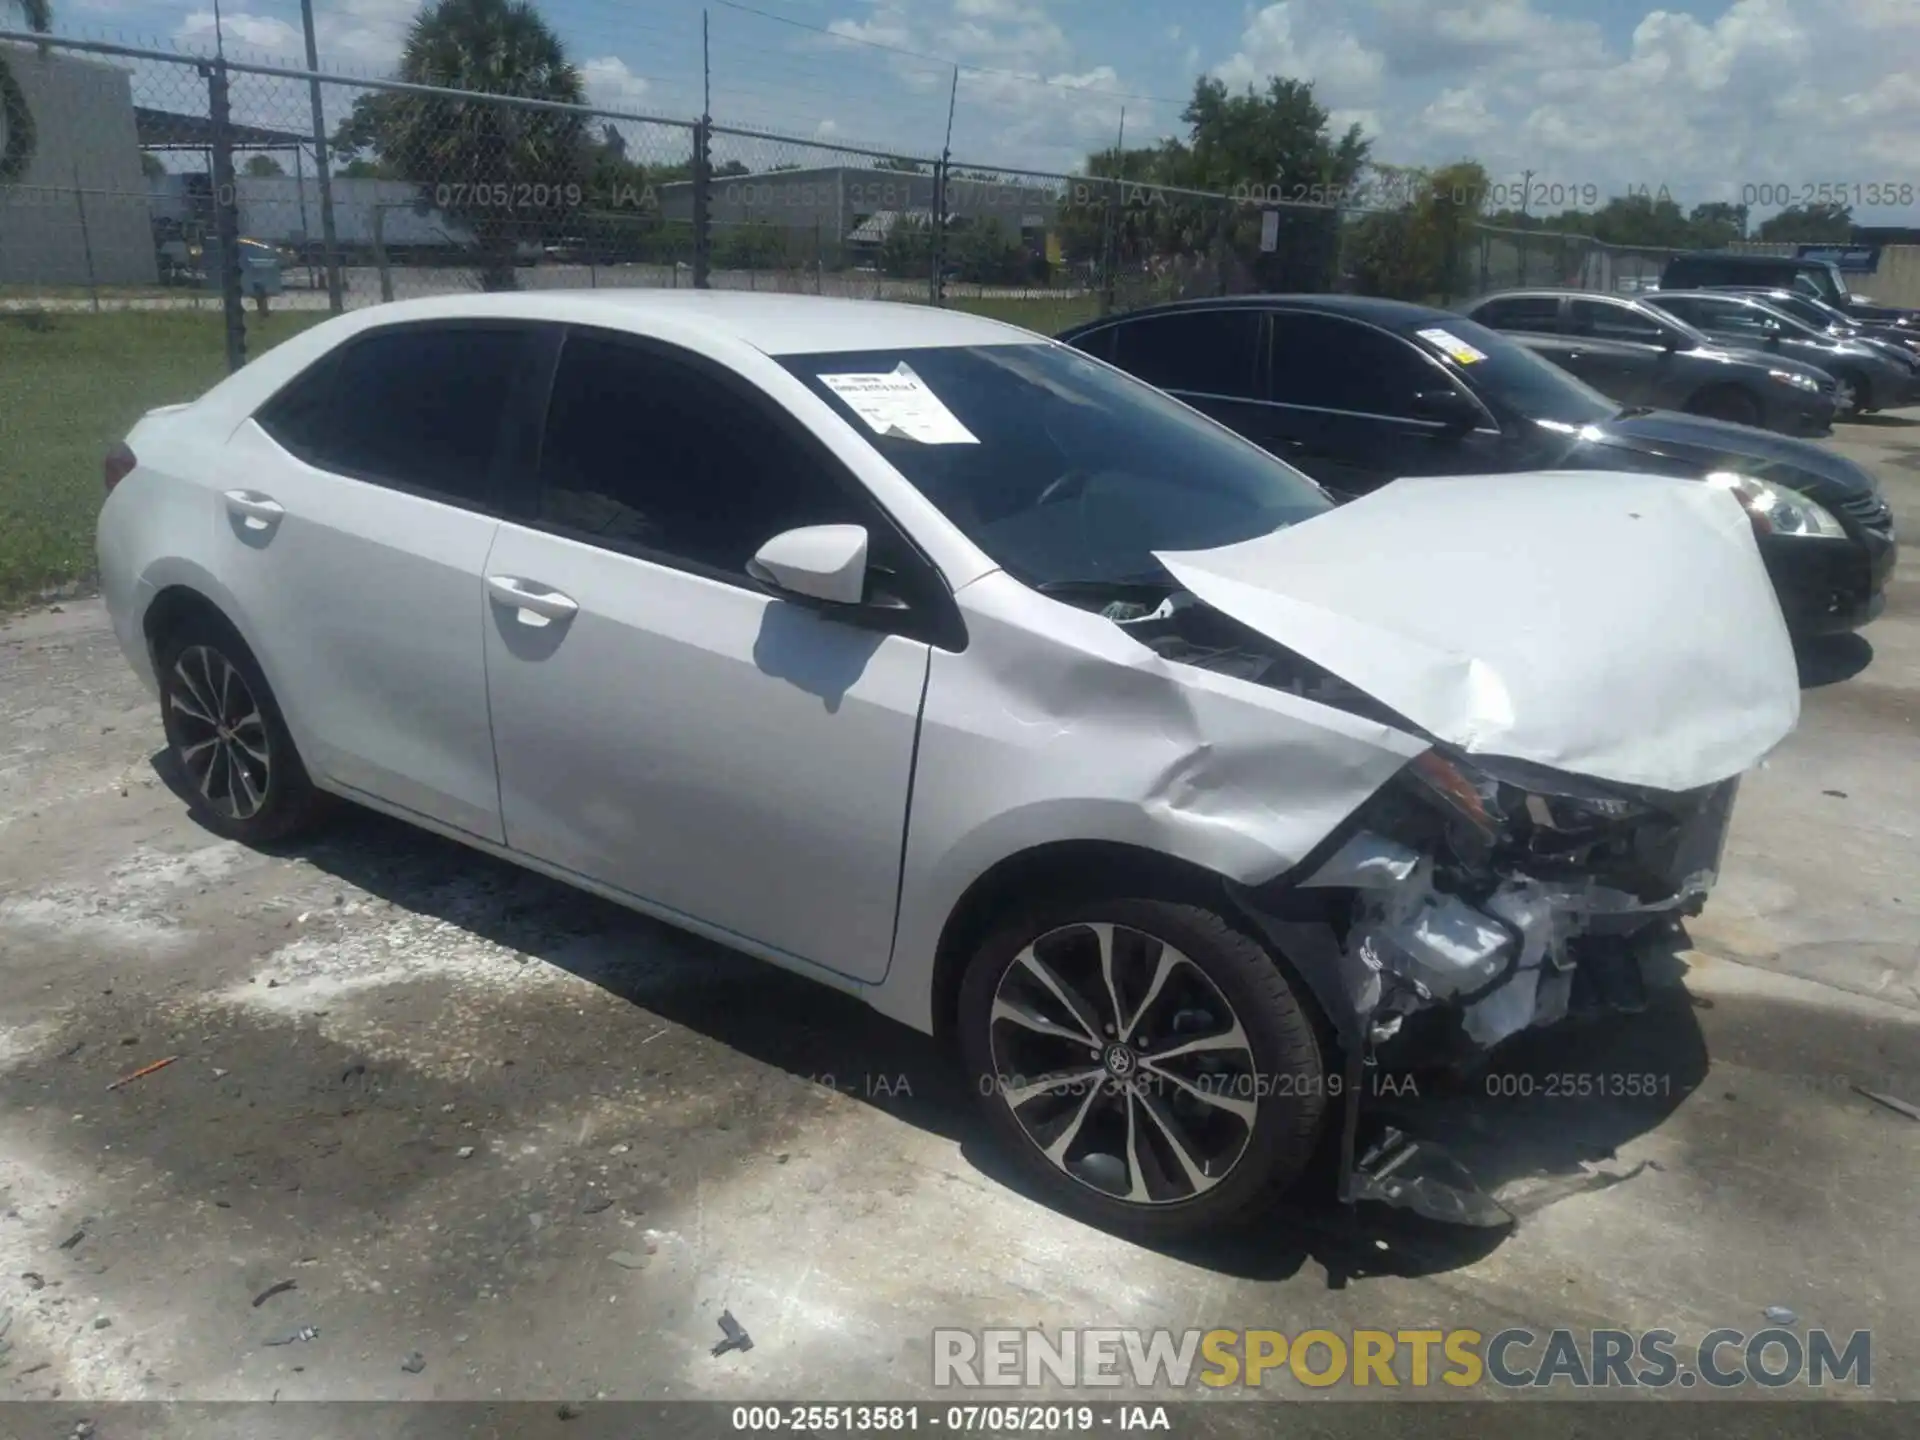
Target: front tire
<point>226,737</point>
<point>1854,396</point>
<point>1144,1063</point>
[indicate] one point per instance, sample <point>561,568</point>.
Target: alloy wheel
<point>1123,1063</point>
<point>220,735</point>
<point>1846,397</point>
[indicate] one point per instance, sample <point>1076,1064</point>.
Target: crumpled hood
<point>1606,624</point>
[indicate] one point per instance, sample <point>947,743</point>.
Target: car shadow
<point>1522,1132</point>
<point>1830,659</point>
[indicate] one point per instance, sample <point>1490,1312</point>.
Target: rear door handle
<point>536,603</point>
<point>259,511</point>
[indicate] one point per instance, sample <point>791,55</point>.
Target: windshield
<point>1510,378</point>
<point>1060,469</point>
<point>1826,279</point>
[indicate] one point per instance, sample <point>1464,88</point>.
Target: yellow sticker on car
<point>1453,346</point>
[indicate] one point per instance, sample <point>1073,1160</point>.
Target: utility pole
<point>322,171</point>
<point>1526,190</point>
<point>937,230</point>
<point>703,166</point>
<point>1110,241</point>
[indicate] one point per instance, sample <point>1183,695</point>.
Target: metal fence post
<point>86,241</point>
<point>1109,247</point>
<point>323,173</point>
<point>226,217</point>
<point>702,203</point>
<point>937,238</point>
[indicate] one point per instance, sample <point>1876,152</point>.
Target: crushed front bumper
<point>1421,960</point>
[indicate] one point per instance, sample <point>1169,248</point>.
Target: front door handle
<point>536,603</point>
<point>259,511</point>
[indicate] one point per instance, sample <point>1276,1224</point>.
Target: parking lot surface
<point>543,1143</point>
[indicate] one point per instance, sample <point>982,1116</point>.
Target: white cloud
<point>609,82</point>
<point>1305,40</point>
<point>1027,95</point>
<point>1768,91</point>
<point>353,37</point>
<point>255,32</point>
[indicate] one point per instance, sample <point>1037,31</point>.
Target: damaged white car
<point>961,672</point>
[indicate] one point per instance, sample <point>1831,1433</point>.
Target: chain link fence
<point>161,181</point>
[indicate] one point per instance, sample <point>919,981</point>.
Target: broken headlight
<point>1775,510</point>
<point>1493,795</point>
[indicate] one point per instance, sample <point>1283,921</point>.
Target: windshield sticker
<point>898,403</point>
<point>1453,345</point>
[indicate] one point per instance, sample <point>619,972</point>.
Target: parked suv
<point>1642,356</point>
<point>1868,378</point>
<point>1709,269</point>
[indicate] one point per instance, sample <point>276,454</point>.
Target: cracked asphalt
<point>451,1108</point>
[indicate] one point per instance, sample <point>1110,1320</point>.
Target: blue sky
<point>1704,97</point>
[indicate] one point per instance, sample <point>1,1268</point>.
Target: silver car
<point>967,675</point>
<point>1869,377</point>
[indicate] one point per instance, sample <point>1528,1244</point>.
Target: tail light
<point>117,465</point>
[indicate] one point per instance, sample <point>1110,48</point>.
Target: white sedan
<point>961,672</point>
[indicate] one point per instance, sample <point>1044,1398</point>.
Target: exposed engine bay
<point>1470,899</point>
<point>1477,886</point>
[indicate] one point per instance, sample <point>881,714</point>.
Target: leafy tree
<point>900,162</point>
<point>264,165</point>
<point>1421,251</point>
<point>1718,223</point>
<point>23,137</point>
<point>985,252</point>
<point>750,245</point>
<point>906,251</point>
<point>479,161</point>
<point>1276,142</point>
<point>1257,146</point>
<point>150,165</point>
<point>1810,225</point>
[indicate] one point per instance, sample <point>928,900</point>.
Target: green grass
<point>1048,315</point>
<point>72,383</point>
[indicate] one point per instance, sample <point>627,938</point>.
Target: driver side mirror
<point>1671,342</point>
<point>815,562</point>
<point>1452,411</point>
<point>1771,329</point>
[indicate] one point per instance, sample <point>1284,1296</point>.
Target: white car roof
<point>771,324</point>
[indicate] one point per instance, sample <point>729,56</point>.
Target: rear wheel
<point>1727,403</point>
<point>1854,395</point>
<point>1145,1063</point>
<point>225,734</point>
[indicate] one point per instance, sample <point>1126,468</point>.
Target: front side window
<point>1535,314</point>
<point>1328,363</point>
<point>645,451</point>
<point>1723,317</point>
<point>1061,470</point>
<point>1613,322</point>
<point>414,407</point>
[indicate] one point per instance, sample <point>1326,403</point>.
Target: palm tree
<point>494,168</point>
<point>21,136</point>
